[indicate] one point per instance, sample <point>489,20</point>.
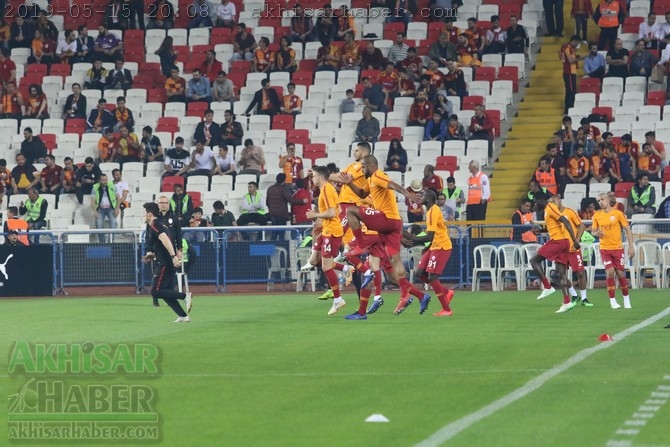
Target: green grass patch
<point>277,371</point>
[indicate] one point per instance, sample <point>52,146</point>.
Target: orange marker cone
<point>605,337</point>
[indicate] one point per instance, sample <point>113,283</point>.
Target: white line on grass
<point>449,431</point>
<point>351,373</point>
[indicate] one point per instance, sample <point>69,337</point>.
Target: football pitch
<point>275,370</point>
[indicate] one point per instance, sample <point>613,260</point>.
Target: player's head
<point>163,204</point>
<point>556,200</point>
<point>321,175</point>
<point>603,200</point>
<point>363,149</point>
<point>150,211</point>
<point>370,165</point>
<point>429,198</point>
<point>540,204</point>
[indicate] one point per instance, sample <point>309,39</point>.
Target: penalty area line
<point>454,428</point>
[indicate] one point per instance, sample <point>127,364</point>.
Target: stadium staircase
<point>539,116</point>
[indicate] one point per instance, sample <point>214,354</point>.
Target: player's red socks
<point>611,286</point>
<point>566,298</point>
<point>546,284</point>
<point>363,301</point>
<point>409,288</point>
<point>356,262</point>
<point>338,266</point>
<point>623,282</point>
<point>331,276</point>
<point>378,282</point>
<point>441,293</point>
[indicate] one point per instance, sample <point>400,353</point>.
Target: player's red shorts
<point>390,230</point>
<point>434,261</point>
<point>372,243</point>
<point>613,259</point>
<point>329,246</point>
<point>575,261</point>
<point>556,251</point>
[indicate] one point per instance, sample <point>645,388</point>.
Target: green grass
<point>276,371</point>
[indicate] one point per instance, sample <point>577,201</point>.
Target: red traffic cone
<point>605,337</point>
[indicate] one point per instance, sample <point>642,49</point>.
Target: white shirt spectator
<point>647,31</point>
<point>662,30</point>
<point>226,12</point>
<point>63,46</point>
<point>120,188</point>
<point>497,35</point>
<point>204,160</point>
<point>225,164</point>
<point>398,53</point>
<point>104,200</point>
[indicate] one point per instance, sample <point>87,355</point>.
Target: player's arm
<point>328,214</point>
<point>566,223</point>
<point>360,192</point>
<point>167,243</point>
<point>400,190</point>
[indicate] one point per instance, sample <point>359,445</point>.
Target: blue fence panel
<point>85,260</point>
<point>259,255</point>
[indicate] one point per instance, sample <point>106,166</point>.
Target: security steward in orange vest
<point>14,223</point>
<point>545,176</point>
<point>479,193</point>
<point>523,216</point>
<point>608,16</point>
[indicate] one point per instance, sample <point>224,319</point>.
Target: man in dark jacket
<point>33,147</point>
<point>277,200</point>
<point>266,99</point>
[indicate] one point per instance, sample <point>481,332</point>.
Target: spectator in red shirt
<point>413,64</point>
<point>431,180</point>
<point>421,111</point>
<point>649,163</point>
<point>299,210</point>
<point>481,127</point>
<point>210,67</point>
<point>51,176</point>
<point>658,146</point>
<point>388,79</point>
<point>7,67</point>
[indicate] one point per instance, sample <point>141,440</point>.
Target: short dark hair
<point>322,171</point>
<point>218,205</point>
<point>179,140</point>
<point>14,210</point>
<point>89,161</point>
<point>147,129</point>
<point>151,207</point>
<point>281,178</point>
<point>450,179</point>
<point>253,183</point>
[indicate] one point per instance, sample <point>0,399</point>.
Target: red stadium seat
<point>389,133</point>
<point>133,35</point>
<point>49,140</point>
<point>372,74</point>
<point>282,122</point>
<point>168,124</point>
<point>666,176</point>
<point>237,78</point>
<point>76,126</point>
<point>307,65</point>
<point>298,136</point>
<point>510,73</point>
<point>302,77</point>
<point>198,106</point>
<point>220,35</point>
<point>143,81</point>
<point>60,70</point>
<point>40,69</point>
<point>632,24</point>
<point>314,151</point>
<point>446,163</point>
<point>196,197</point>
<point>392,29</point>
<point>485,74</point>
<point>469,102</point>
<point>169,183</point>
<point>494,116</point>
<point>607,111</point>
<point>240,66</point>
<point>157,95</point>
<point>622,189</point>
<point>590,83</point>
<point>656,98</point>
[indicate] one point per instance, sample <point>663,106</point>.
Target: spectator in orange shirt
<point>328,57</point>
<point>406,87</point>
<point>175,86</point>
<point>291,104</point>
<point>658,146</point>
<point>108,147</point>
<point>351,56</point>
<point>388,80</point>
<point>578,167</point>
<point>264,57</point>
<point>649,163</point>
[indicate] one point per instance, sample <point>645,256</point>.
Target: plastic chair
<point>302,256</point>
<point>509,262</point>
<point>648,257</point>
<point>485,260</point>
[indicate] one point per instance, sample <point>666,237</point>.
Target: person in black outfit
<point>167,218</point>
<point>162,251</point>
<point>85,178</point>
<point>273,102</point>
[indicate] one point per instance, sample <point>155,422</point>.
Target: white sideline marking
<point>348,373</point>
<point>449,431</point>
